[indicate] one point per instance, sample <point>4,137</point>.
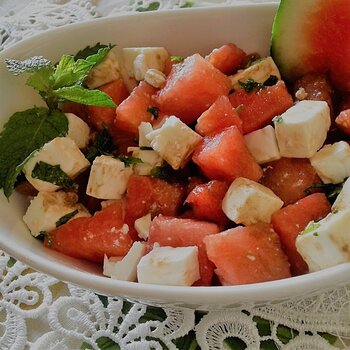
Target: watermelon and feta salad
<point>190,171</point>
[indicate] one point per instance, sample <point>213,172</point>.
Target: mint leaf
<point>24,133</point>
<point>99,56</point>
<point>69,72</point>
<point>53,174</point>
<point>41,79</point>
<point>29,65</point>
<point>65,218</point>
<point>87,97</point>
<point>90,50</point>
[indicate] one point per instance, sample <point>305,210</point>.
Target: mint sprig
<point>64,81</point>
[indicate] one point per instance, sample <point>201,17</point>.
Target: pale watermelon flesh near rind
<point>313,36</point>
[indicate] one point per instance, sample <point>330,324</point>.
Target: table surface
<point>40,312</point>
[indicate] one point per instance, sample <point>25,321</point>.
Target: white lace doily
<point>40,313</point>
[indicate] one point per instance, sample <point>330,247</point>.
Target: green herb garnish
<point>103,145</point>
<point>53,174</point>
<point>250,84</point>
<point>311,226</point>
<point>24,133</point>
<point>177,59</point>
<point>154,111</point>
<point>65,218</point>
<point>330,190</point>
<point>163,172</point>
<point>278,119</point>
<point>63,82</point>
<point>129,160</point>
<point>91,50</point>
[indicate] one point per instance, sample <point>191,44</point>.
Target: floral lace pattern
<point>39,312</point>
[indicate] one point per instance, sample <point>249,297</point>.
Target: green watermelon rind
<point>287,44</point>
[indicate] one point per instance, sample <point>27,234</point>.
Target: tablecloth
<point>40,312</point>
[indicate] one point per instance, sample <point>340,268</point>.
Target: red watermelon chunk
<point>191,87</point>
<point>288,178</point>
<point>288,222</point>
<point>146,194</point>
<point>206,200</point>
<point>131,112</point>
<point>258,108</point>
<point>104,116</point>
<point>227,58</point>
<point>219,116</point>
<point>90,238</point>
<point>175,232</point>
<point>224,156</point>
<point>248,254</point>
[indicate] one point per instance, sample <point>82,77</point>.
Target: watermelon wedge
<point>313,36</point>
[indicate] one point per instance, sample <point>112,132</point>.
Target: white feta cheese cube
<point>60,151</point>
<point>47,208</point>
<point>343,199</point>
<point>169,266</point>
<point>150,159</point>
<point>105,72</point>
<point>262,144</point>
<point>109,264</point>
<point>326,243</point>
<point>332,162</point>
<point>108,178</point>
<point>137,60</point>
<point>142,226</point>
<point>259,72</point>
<point>248,202</point>
<point>144,129</point>
<point>302,129</point>
<point>174,141</point>
<point>78,130</point>
<point>125,269</point>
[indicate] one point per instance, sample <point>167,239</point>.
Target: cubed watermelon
<point>224,156</point>
<point>219,116</point>
<point>289,178</point>
<point>288,222</point>
<point>104,116</point>
<point>257,108</point>
<point>248,254</point>
<point>191,87</point>
<point>146,194</point>
<point>91,237</point>
<point>227,58</point>
<point>175,232</point>
<point>206,201</point>
<point>135,109</point>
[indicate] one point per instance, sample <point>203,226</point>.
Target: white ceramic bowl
<point>191,30</point>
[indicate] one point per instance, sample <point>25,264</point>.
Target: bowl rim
<point>209,295</point>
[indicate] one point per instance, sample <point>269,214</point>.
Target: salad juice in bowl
<point>179,169</point>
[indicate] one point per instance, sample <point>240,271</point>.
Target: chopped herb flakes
<point>65,218</point>
<point>310,227</point>
<point>250,84</point>
<point>154,111</point>
<point>278,119</point>
<point>53,174</point>
<point>177,59</point>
